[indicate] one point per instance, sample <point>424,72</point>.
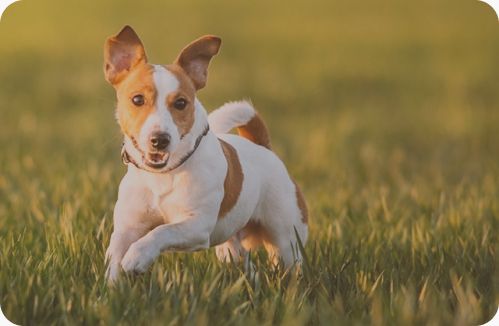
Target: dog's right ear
<point>195,58</point>
<point>122,52</point>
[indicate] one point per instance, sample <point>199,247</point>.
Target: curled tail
<point>243,116</point>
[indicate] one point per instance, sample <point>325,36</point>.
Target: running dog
<point>191,184</point>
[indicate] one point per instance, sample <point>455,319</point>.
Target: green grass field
<point>386,113</point>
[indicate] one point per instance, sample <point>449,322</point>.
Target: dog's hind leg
<point>284,222</point>
<point>283,249</point>
<point>231,250</point>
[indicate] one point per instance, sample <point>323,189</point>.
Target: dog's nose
<point>159,141</point>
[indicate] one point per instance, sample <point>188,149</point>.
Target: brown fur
<point>126,68</point>
<point>253,236</point>
<point>184,119</point>
<point>233,180</point>
<point>138,81</point>
<point>256,131</point>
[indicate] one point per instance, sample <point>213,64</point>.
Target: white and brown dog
<point>190,184</point>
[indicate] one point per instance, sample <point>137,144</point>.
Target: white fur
<point>230,115</point>
<point>178,210</point>
<point>161,120</point>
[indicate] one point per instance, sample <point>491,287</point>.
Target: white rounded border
<point>494,4</point>
<point>4,321</point>
<point>4,4</point>
<point>494,321</point>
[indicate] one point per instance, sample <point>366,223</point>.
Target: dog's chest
<point>170,207</point>
<point>160,185</point>
<point>169,197</point>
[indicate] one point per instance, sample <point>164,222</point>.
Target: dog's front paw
<point>139,257</point>
<point>112,273</point>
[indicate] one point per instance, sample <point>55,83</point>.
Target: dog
<point>190,184</point>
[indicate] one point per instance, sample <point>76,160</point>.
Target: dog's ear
<point>122,52</point>
<point>195,58</point>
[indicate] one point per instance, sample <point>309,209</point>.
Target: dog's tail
<point>243,116</point>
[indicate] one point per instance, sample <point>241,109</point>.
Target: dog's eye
<point>138,100</point>
<point>180,103</point>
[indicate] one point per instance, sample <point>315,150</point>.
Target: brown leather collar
<point>128,159</point>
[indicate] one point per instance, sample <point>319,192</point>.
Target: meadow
<point>385,112</point>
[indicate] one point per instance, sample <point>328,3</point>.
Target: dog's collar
<point>128,159</point>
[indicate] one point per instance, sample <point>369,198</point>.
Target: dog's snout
<point>159,141</point>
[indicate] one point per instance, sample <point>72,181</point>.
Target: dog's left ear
<point>122,52</point>
<point>195,58</point>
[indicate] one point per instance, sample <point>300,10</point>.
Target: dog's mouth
<point>156,160</point>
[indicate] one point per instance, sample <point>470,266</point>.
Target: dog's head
<point>157,106</point>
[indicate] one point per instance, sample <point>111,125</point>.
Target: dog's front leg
<point>132,220</point>
<point>189,235</point>
<point>121,239</point>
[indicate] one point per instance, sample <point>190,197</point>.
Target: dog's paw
<point>139,257</point>
<point>112,273</point>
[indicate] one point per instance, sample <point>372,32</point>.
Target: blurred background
<point>372,82</point>
<point>335,79</point>
<point>386,112</point>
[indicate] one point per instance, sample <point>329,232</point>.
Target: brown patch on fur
<point>184,119</point>
<point>138,81</point>
<point>302,204</point>
<point>233,180</point>
<point>253,235</point>
<point>256,131</point>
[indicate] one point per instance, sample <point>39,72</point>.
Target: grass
<point>385,112</point>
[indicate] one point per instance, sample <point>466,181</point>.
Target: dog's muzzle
<point>157,161</point>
